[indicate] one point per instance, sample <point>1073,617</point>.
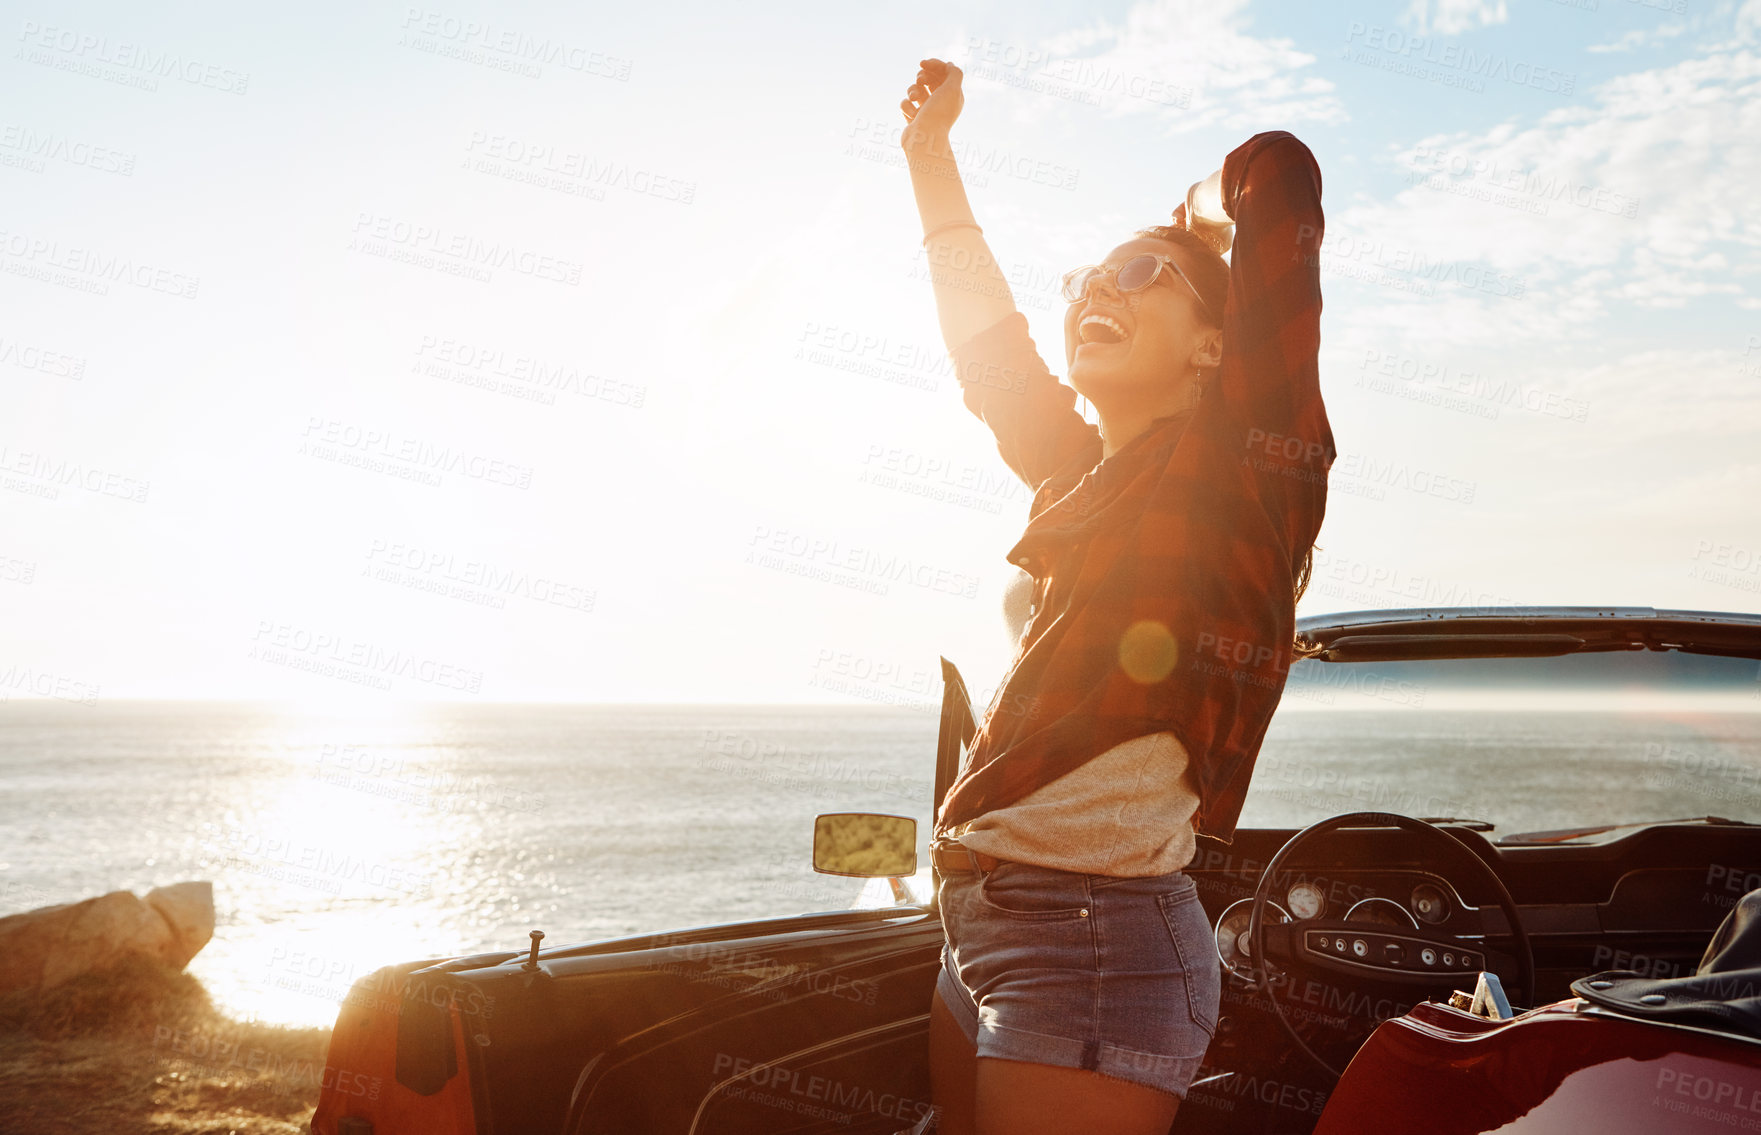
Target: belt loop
<point>970,855</point>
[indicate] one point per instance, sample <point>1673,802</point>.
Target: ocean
<point>340,842</point>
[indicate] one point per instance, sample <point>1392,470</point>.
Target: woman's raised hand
<point>1203,213</point>
<point>931,104</point>
<point>971,291</point>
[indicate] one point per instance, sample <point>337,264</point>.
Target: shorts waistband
<point>951,857</point>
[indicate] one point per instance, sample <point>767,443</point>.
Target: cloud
<point>1639,37</point>
<point>1188,62</point>
<point>1719,411</point>
<point>1640,197</point>
<point>1447,17</point>
<point>1748,22</point>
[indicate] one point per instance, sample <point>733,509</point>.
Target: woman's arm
<point>1003,379</point>
<point>1270,188</point>
<point>971,293</point>
<point>1270,380</point>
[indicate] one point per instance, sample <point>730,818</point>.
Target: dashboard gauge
<point>1232,944</point>
<point>1306,900</point>
<point>1381,911</point>
<point>1430,903</point>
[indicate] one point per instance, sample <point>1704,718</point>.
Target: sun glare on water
<point>332,868</point>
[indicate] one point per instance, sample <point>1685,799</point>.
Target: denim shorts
<point>1118,975</point>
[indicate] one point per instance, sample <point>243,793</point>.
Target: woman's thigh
<point>953,1070</point>
<point>1018,1098</point>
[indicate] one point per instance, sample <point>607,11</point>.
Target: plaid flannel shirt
<point>1163,575</point>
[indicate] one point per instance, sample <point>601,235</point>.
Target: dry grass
<point>141,1048</point>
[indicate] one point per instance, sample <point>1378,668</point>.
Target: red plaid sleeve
<point>1272,323</point>
<point>1006,384</point>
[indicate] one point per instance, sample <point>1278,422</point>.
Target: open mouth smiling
<point>1097,328</point>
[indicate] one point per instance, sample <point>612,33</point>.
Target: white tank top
<point>1127,812</point>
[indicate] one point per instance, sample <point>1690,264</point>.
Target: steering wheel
<point>1356,950</point>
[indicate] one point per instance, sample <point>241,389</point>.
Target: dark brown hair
<point>1208,271</point>
<point>1303,571</point>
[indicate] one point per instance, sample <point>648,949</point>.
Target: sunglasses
<point>1134,275</point>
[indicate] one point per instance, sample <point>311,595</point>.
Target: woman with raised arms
<point>1165,551</point>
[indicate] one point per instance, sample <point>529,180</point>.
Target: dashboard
<point>1378,900</point>
<point>1646,898</point>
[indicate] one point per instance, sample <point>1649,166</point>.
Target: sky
<point>370,352</point>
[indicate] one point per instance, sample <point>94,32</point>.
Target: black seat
<point>1723,993</point>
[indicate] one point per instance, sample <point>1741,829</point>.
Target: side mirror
<point>865,844</point>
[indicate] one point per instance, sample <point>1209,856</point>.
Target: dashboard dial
<point>1232,944</point>
<point>1430,903</point>
<point>1381,911</point>
<point>1306,900</point>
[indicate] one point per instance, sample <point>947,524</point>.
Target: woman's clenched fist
<point>931,104</point>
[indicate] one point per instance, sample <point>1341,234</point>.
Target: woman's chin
<point>1093,371</point>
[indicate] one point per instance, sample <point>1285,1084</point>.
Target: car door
<point>810,1023</point>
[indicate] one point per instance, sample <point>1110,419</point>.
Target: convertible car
<point>1500,870</point>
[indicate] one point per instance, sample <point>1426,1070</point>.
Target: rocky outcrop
<point>42,948</point>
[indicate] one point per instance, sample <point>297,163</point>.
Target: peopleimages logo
<point>32,149</point>
<point>507,49</point>
<point>1529,190</point>
<point>1349,254</point>
<point>97,56</point>
<point>380,451</point>
<point>333,655</point>
<point>431,246</point>
<point>29,356</point>
<point>571,165</point>
<point>1479,394</point>
<point>810,1096</point>
<point>975,159</point>
<point>869,569</point>
<point>1402,52</point>
<point>87,269</point>
<point>43,684</point>
<point>429,569</point>
<point>1080,80</point>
